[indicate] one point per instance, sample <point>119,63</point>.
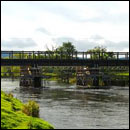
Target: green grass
<point>50,74</point>
<point>123,74</point>
<point>53,76</point>
<point>72,80</point>
<point>12,116</point>
<point>53,79</point>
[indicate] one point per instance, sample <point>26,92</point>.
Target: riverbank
<point>12,116</point>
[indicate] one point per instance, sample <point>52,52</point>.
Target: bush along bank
<point>16,115</point>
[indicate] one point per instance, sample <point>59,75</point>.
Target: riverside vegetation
<point>16,115</point>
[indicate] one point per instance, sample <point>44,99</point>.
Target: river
<point>66,107</point>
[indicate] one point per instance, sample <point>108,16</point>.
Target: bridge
<point>50,58</point>
<point>95,62</point>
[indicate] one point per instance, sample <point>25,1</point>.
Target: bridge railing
<point>64,55</point>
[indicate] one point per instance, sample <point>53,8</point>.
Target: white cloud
<point>77,20</point>
<point>18,43</point>
<point>121,8</point>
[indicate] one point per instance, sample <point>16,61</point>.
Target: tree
<point>100,52</point>
<point>65,51</point>
<point>98,49</point>
<point>67,48</point>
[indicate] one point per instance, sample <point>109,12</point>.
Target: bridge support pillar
<point>85,75</point>
<point>30,76</point>
<point>96,81</point>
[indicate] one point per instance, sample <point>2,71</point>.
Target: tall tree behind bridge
<point>67,48</point>
<point>102,52</point>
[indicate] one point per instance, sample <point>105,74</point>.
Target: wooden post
<point>102,55</point>
<point>45,54</point>
<point>33,55</point>
<point>22,54</point>
<point>49,54</point>
<point>19,55</point>
<point>61,55</point>
<point>117,55</point>
<point>76,54</point>
<point>126,56</point>
<point>38,55</point>
<point>83,55</point>
<point>9,55</point>
<point>12,54</point>
<point>76,75</point>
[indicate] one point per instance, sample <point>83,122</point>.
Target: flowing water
<point>66,107</point>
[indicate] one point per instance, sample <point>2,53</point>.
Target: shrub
<point>31,109</point>
<point>10,95</point>
<point>30,126</point>
<point>15,119</point>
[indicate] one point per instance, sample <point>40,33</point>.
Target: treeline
<point>66,51</point>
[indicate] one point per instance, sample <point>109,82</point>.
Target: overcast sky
<point>36,25</point>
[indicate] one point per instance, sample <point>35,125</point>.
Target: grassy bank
<point>12,116</point>
<point>123,74</point>
<point>55,77</point>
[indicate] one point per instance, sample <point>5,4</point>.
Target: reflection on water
<point>66,107</point>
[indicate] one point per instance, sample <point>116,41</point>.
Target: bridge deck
<point>49,58</point>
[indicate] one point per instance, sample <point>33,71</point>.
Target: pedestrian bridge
<point>50,58</point>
